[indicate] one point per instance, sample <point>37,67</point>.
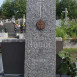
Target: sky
<point>1,1</point>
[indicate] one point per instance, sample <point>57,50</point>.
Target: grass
<point>72,52</point>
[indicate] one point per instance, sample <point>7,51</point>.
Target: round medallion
<point>40,24</point>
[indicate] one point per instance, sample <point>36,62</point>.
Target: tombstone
<point>9,28</point>
<point>7,21</point>
<point>13,19</point>
<point>76,66</point>
<point>3,36</point>
<point>59,47</point>
<point>13,51</point>
<point>59,22</point>
<point>24,23</point>
<point>40,45</point>
<point>17,26</point>
<point>23,19</point>
<point>66,18</point>
<point>1,23</point>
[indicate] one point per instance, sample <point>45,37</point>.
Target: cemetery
<point>66,29</point>
<point>38,38</point>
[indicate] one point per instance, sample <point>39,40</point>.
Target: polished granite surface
<point>1,70</point>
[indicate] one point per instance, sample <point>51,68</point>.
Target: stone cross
<point>23,19</point>
<point>13,19</point>
<point>40,45</point>
<point>41,6</point>
<point>66,11</point>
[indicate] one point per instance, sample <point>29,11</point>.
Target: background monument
<point>40,45</point>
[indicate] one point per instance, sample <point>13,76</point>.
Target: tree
<point>6,9</point>
<point>13,7</point>
<point>71,5</point>
<point>0,11</point>
<point>58,10</point>
<point>19,8</point>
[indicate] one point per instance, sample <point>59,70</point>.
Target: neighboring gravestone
<point>40,45</point>
<point>76,66</point>
<point>9,28</point>
<point>66,18</point>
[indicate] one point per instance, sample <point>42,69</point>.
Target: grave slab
<point>40,45</point>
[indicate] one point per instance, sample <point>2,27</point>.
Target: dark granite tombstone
<point>59,47</point>
<point>13,56</point>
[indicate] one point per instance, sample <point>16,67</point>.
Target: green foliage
<point>0,11</point>
<point>66,31</point>
<point>72,29</point>
<point>70,49</point>
<point>71,5</point>
<point>63,54</point>
<point>72,52</point>
<point>60,32</point>
<point>13,7</point>
<point>63,68</point>
<point>6,9</point>
<point>19,8</point>
<point>57,8</point>
<point>67,66</point>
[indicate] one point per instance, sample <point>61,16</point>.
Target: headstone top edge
<point>13,40</point>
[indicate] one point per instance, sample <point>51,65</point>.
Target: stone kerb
<point>13,40</point>
<point>58,38</point>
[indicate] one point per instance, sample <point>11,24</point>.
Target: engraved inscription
<point>38,44</point>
